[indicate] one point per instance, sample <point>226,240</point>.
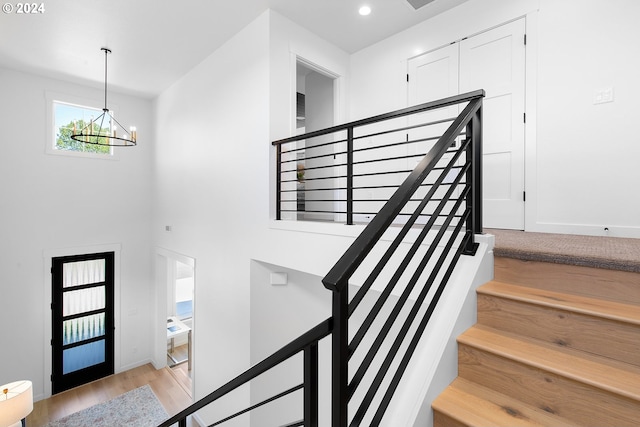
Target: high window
<point>68,115</point>
<point>73,118</point>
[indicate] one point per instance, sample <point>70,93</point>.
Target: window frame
<point>52,99</point>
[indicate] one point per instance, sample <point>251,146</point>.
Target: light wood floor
<point>171,393</point>
<point>181,371</point>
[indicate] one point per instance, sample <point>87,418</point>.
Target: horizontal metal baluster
<point>368,359</point>
<point>366,402</point>
<point>257,405</point>
<point>386,400</point>
<point>405,229</point>
<point>400,271</point>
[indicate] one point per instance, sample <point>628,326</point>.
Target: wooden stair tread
<point>611,285</point>
<point>617,311</point>
<point>474,405</point>
<point>614,377</point>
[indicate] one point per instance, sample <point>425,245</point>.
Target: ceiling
<point>155,42</point>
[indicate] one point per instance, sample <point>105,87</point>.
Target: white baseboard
<point>586,229</point>
<point>133,365</point>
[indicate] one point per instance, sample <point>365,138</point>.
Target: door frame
<point>531,19</point>
<point>297,58</point>
<point>61,381</point>
<point>48,255</point>
<point>162,258</point>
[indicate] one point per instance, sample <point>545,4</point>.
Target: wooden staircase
<point>555,345</point>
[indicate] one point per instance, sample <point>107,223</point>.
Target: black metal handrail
<point>307,343</point>
<point>320,174</point>
<point>447,217</point>
<point>338,277</point>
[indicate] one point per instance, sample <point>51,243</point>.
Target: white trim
<point>632,232</point>
<point>530,127</point>
<point>159,359</point>
<point>88,102</point>
<point>185,259</point>
<point>48,255</point>
<point>338,87</point>
<point>130,366</point>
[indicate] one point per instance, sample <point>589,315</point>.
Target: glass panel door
<point>82,311</point>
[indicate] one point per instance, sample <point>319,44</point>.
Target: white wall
<point>51,205</point>
<point>279,314</point>
<point>213,185</point>
<point>212,189</point>
<point>580,156</point>
<point>586,155</point>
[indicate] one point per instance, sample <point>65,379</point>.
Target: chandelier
<point>105,130</point>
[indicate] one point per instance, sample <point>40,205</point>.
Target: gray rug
<point>139,408</point>
<point>613,253</point>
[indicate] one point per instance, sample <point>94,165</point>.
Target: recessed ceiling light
<point>364,10</point>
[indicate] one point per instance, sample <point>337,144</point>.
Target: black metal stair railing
<point>308,345</point>
<point>346,173</point>
<point>401,263</point>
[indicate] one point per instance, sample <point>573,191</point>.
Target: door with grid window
<point>82,319</point>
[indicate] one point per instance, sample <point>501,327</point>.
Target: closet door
<point>432,76</point>
<point>495,61</point>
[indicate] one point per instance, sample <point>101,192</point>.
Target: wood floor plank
<point>170,393</point>
<point>561,385</point>
<point>564,320</point>
<point>470,404</point>
<point>589,369</point>
<point>613,285</point>
<point>586,305</point>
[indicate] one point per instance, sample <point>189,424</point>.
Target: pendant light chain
<point>106,136</point>
<point>106,56</point>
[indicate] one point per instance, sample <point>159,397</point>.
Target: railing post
<point>339,358</point>
<point>474,176</point>
<point>311,386</point>
<point>278,181</point>
<point>350,176</point>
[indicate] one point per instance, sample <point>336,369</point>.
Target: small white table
<point>175,329</point>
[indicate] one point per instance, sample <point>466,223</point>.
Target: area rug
<point>139,407</point>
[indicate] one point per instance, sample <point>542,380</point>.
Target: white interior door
<point>432,76</point>
<point>495,61</point>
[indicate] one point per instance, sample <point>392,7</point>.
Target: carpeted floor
<point>612,253</point>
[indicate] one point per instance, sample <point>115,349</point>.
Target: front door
<point>82,319</point>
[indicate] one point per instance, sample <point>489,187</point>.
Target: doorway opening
<point>176,315</point>
<point>315,109</point>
